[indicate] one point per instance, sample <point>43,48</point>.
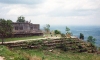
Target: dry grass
<point>31,57</point>
<point>35,58</point>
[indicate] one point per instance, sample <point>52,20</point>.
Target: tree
<point>81,36</point>
<point>67,30</point>
<point>91,40</point>
<point>21,19</point>
<point>47,28</point>
<point>57,32</point>
<point>68,34</point>
<point>5,28</point>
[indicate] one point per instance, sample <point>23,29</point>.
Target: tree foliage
<point>57,32</point>
<point>5,28</point>
<point>67,29</point>
<point>21,19</point>
<point>91,40</point>
<point>47,28</point>
<point>68,32</point>
<point>81,36</point>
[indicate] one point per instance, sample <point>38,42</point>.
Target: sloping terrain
<point>66,44</point>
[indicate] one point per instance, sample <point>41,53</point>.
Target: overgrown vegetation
<point>81,36</point>
<point>65,44</point>
<point>91,40</point>
<point>57,32</point>
<point>21,19</point>
<point>37,54</point>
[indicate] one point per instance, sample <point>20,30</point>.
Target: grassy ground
<point>68,56</point>
<point>39,54</point>
<point>21,38</point>
<point>9,55</point>
<point>60,55</point>
<point>25,38</point>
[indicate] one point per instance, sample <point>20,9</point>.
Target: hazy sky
<point>53,12</point>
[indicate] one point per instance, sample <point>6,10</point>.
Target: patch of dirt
<point>1,58</point>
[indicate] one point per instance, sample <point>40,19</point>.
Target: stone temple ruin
<point>26,29</point>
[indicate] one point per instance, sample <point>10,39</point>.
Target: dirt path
<point>31,39</point>
<point>1,58</point>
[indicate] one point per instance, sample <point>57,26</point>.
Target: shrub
<point>63,47</point>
